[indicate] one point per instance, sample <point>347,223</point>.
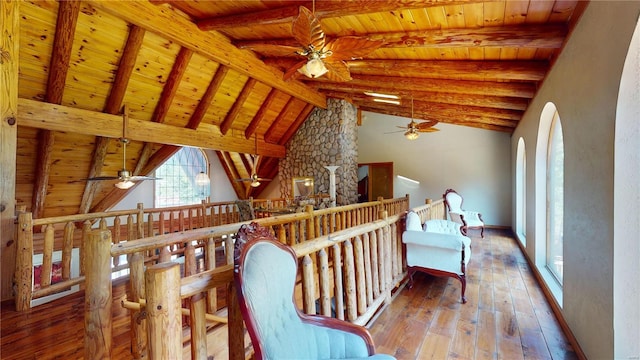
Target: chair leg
<point>411,272</point>
<point>482,232</point>
<point>463,281</point>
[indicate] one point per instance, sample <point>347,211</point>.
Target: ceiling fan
<point>126,179</point>
<point>254,161</point>
<point>413,128</point>
<point>320,57</point>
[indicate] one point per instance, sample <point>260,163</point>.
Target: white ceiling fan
<point>127,180</point>
<point>413,128</point>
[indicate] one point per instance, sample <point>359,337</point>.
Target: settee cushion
<point>413,222</point>
<point>442,227</point>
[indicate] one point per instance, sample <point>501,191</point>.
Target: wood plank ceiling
<point>182,72</point>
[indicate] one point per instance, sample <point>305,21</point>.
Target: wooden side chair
<point>265,273</point>
<point>468,219</point>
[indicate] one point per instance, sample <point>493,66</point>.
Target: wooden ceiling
<point>179,71</point>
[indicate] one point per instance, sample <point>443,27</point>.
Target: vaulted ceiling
<point>182,73</point>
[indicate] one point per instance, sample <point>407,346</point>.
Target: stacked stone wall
<point>328,137</point>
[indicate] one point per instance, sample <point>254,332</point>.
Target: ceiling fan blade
<point>394,132</point>
<point>264,179</point>
<point>273,50</point>
<point>306,29</point>
<point>427,130</point>
<point>338,70</point>
<point>352,47</point>
<point>100,178</point>
<point>140,178</point>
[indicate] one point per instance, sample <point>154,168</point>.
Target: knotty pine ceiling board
<point>225,97</point>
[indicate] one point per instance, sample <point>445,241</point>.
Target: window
<point>521,191</point>
<point>178,184</point>
<point>555,198</point>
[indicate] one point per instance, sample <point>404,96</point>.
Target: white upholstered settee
<point>436,247</point>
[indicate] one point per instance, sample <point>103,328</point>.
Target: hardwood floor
<point>506,317</point>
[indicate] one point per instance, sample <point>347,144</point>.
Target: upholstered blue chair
<point>265,276</point>
<point>468,219</point>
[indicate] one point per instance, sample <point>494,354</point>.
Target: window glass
<point>521,191</point>
<point>179,175</point>
<point>555,198</point>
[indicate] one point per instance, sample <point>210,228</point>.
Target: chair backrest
<point>265,275</point>
<point>412,222</point>
<point>453,201</point>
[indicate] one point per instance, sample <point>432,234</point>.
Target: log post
<point>308,286</point>
<point>235,326</point>
<point>24,262</point>
<point>140,222</point>
<point>337,281</point>
<point>164,314</point>
<point>138,321</point>
<point>197,319</point>
<point>358,250</point>
<point>98,298</point>
<point>210,264</point>
<point>325,282</point>
<point>386,238</point>
<point>350,281</point>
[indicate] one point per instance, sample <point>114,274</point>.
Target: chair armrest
<point>337,325</point>
<point>436,240</point>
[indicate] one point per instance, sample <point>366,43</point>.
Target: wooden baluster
<point>182,223</point>
<point>308,286</point>
<point>98,297</point>
<point>150,231</point>
<point>86,229</point>
<point>210,264</point>
<point>282,234</point>
<point>140,222</point>
<point>324,280</point>
<point>161,227</point>
<point>190,218</point>
<point>337,281</point>
<point>138,322</point>
<point>235,327</point>
<point>162,285</point>
<point>375,267</point>
<point>361,288</point>
<point>394,252</point>
<point>387,256</point>
<point>131,228</point>
<point>292,234</point>
<point>165,254</point>
<point>350,281</point>
<point>47,255</point>
<point>116,238</point>
<point>24,262</point>
<point>67,248</point>
<point>189,269</point>
<point>367,267</point>
<point>228,249</point>
<point>198,326</point>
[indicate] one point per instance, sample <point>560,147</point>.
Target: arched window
<point>180,183</point>
<point>555,198</point>
<point>521,192</point>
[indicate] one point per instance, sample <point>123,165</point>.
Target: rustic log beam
<point>205,101</point>
<point>269,135</point>
<point>42,115</point>
<point>113,105</point>
<point>522,90</point>
<point>346,91</point>
<point>428,114</point>
<point>446,120</point>
<point>321,10</point>
<point>291,131</point>
<point>425,105</point>
<point>59,66</point>
<point>237,105</point>
<point>441,69</point>
<point>212,45</point>
<point>519,36</point>
<point>257,119</point>
<point>9,73</point>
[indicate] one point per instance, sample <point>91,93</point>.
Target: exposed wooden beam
<point>269,134</point>
<point>41,115</point>
<point>237,105</point>
<point>205,101</point>
<point>9,74</point>
<point>257,119</point>
<point>58,67</point>
<point>345,91</point>
<point>113,105</point>
<point>522,90</point>
<point>171,86</point>
<point>441,69</point>
<point>518,36</point>
<point>322,10</point>
<point>296,124</point>
<point>448,118</point>
<point>212,45</point>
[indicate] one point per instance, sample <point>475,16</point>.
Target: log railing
<point>370,262</point>
<point>56,239</point>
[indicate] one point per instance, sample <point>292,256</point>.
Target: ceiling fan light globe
<point>411,135</point>
<point>125,184</point>
<point>314,68</point>
<point>255,183</point>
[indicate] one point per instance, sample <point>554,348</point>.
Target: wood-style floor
<point>506,317</point>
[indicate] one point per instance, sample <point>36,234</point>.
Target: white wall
<point>583,85</point>
<point>474,162</point>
